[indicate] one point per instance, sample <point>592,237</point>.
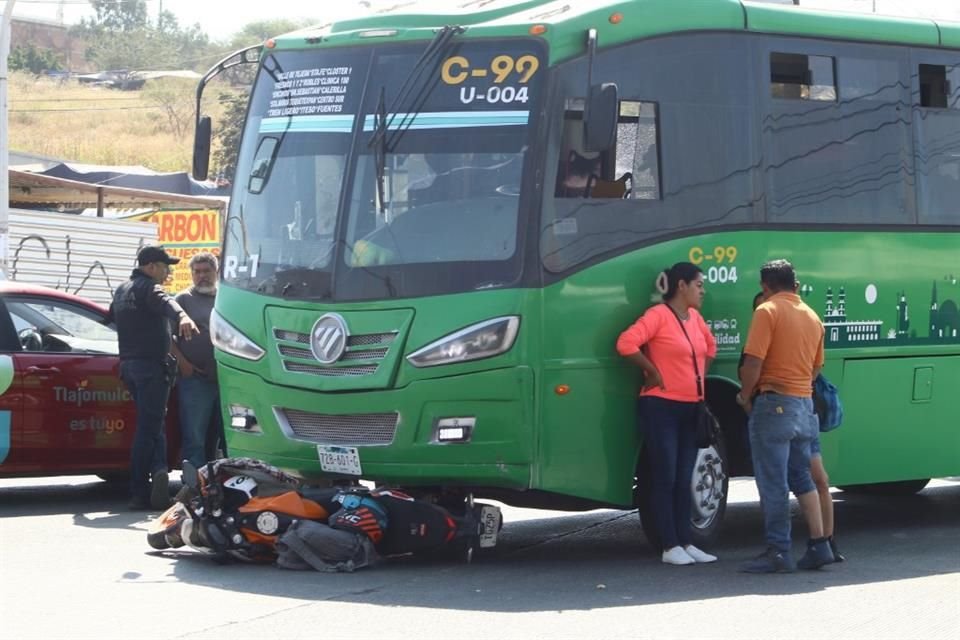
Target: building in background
<point>46,35</point>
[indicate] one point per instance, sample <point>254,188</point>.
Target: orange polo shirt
<point>669,350</point>
<point>788,336</point>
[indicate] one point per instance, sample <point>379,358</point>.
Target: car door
<point>77,415</point>
<point>11,400</point>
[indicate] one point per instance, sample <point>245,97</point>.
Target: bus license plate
<point>489,526</point>
<point>343,460</point>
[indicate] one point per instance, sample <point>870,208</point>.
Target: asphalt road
<point>74,564</point>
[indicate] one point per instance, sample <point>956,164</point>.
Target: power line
<point>75,100</point>
<point>86,2</point>
<point>84,109</point>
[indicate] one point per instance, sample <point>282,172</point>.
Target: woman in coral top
<point>667,406</point>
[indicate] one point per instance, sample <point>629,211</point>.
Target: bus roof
<point>618,21</point>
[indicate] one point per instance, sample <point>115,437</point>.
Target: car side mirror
<point>601,114</point>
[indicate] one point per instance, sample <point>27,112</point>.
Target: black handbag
<point>707,428</point>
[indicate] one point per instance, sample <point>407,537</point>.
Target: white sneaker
<point>698,555</point>
<point>676,555</point>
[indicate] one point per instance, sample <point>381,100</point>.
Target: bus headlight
<point>228,339</point>
<point>482,340</point>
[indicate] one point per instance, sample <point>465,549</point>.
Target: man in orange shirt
<point>783,355</point>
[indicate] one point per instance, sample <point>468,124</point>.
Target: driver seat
<point>612,189</point>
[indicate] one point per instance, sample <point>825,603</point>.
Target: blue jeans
<point>199,401</point>
<point>669,432</point>
<point>815,444</point>
<point>149,385</point>
<point>781,431</point>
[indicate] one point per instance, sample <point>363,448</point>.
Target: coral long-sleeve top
<point>669,350</point>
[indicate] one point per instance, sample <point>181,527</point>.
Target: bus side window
<point>630,171</point>
<point>575,166</point>
<point>637,159</point>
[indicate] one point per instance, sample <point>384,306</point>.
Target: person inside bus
<point>784,354</point>
<point>575,173</point>
<point>660,343</point>
<point>817,469</point>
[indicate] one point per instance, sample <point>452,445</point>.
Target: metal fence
<point>78,254</point>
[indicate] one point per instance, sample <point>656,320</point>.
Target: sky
<point>221,18</point>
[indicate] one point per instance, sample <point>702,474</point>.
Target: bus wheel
<point>900,488</point>
<point>708,486</point>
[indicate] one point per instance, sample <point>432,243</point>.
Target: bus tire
<point>708,484</point>
<point>899,488</point>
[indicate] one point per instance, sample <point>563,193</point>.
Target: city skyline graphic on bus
<point>903,322</point>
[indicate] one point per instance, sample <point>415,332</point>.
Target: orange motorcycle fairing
<point>289,504</point>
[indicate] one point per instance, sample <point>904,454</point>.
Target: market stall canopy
<point>40,191</point>
<point>135,177</point>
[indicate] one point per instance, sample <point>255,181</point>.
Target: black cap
<point>154,253</point>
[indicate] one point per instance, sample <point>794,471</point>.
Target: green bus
<point>441,222</point>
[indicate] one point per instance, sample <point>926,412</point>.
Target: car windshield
<point>362,171</point>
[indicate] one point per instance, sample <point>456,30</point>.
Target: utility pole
<point>5,32</point>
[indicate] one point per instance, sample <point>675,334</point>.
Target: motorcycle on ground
<point>233,508</point>
<point>244,509</point>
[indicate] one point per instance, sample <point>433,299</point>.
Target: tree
<point>118,15</point>
<point>120,36</point>
<point>34,60</point>
<point>256,32</point>
<point>228,133</point>
<point>130,50</point>
<point>175,97</point>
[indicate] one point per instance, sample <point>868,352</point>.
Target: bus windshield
<point>369,174</point>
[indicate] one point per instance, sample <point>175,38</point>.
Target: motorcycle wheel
<point>157,540</point>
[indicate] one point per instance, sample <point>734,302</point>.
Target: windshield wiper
<point>437,46</point>
<point>379,143</point>
<point>380,152</point>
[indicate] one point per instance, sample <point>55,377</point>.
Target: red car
<point>63,408</point>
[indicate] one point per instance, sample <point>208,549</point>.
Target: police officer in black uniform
<point>142,311</point>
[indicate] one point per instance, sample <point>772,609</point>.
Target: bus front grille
<point>365,350</point>
<point>349,356</point>
<point>361,429</point>
<point>367,340</point>
<point>329,372</point>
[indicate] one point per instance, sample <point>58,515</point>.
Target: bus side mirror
<point>600,117</point>
<point>201,148</point>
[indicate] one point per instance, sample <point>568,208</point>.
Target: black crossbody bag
<point>708,430</point>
